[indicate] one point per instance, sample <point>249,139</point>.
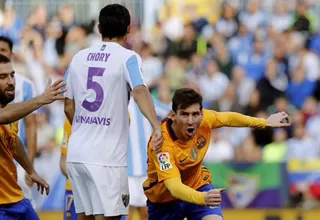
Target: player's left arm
<point>30,122</point>
<point>22,158</point>
<point>169,174</point>
<point>69,105</point>
<point>233,119</point>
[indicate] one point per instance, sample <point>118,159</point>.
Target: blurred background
<point>250,56</point>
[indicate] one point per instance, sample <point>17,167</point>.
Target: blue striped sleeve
<point>134,71</point>
<point>28,92</point>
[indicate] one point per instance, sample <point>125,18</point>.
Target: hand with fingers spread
<point>279,120</point>
<point>213,197</point>
<point>42,185</point>
<point>157,140</point>
<point>53,91</point>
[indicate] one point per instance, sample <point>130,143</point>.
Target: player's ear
<point>128,29</point>
<point>173,116</point>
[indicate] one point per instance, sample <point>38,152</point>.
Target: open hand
<point>42,185</point>
<point>213,197</point>
<point>53,91</point>
<point>279,120</point>
<point>157,140</point>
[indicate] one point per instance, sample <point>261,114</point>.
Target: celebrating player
<point>24,90</point>
<point>178,186</point>
<point>13,205</point>
<point>96,105</point>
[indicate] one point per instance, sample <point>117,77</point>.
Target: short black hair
<point>185,97</point>
<point>114,20</point>
<point>8,41</point>
<point>4,59</point>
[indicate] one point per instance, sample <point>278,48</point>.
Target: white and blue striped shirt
<point>24,90</point>
<point>139,135</point>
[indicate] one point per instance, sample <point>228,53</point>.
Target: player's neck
<point>121,41</point>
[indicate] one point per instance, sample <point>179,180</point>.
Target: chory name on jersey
<point>93,120</point>
<point>101,57</point>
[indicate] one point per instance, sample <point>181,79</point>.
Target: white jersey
<point>24,90</point>
<point>97,80</point>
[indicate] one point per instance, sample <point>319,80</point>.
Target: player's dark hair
<point>114,20</point>
<point>185,97</point>
<point>8,41</point>
<point>4,59</point>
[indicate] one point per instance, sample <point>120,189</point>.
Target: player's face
<point>188,121</point>
<point>5,49</point>
<point>7,83</point>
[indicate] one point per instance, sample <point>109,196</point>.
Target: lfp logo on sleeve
<point>164,161</point>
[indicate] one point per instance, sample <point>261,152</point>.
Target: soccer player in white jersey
<point>24,90</point>
<point>96,105</point>
<point>139,135</point>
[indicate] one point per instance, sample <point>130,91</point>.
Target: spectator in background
<point>299,88</point>
<point>273,85</point>
<point>241,42</point>
<point>254,60</point>
<point>253,106</point>
<point>310,64</point>
<point>262,137</point>
<point>227,25</point>
<point>253,17</point>
<point>281,105</point>
<point>219,149</point>
<point>212,85</point>
<point>228,102</point>
<point>224,60</point>
<point>152,67</point>
<point>244,85</point>
<point>281,20</point>
<point>12,25</point>
<point>276,152</point>
<point>302,18</point>
<point>301,146</point>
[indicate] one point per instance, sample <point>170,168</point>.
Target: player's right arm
<point>143,97</point>
<point>169,174</point>
<point>14,112</point>
<point>69,105</point>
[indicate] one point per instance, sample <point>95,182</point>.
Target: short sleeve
<point>66,136</point>
<point>133,71</point>
<point>68,79</point>
<point>165,164</point>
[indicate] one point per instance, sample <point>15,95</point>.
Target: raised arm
<point>14,112</point>
<point>233,119</point>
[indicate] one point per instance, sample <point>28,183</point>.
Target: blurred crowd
<point>254,58</point>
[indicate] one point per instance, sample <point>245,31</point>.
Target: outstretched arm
<point>14,112</point>
<point>232,119</point>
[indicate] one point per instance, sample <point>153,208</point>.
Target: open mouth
<point>10,92</point>
<point>190,131</point>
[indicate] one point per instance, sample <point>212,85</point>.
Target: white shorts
<point>137,197</point>
<point>27,191</point>
<point>99,190</point>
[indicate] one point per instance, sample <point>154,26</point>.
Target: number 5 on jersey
<point>96,87</point>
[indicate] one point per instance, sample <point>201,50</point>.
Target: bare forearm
<point>144,100</point>
<point>14,112</point>
<point>31,136</point>
<point>22,158</point>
